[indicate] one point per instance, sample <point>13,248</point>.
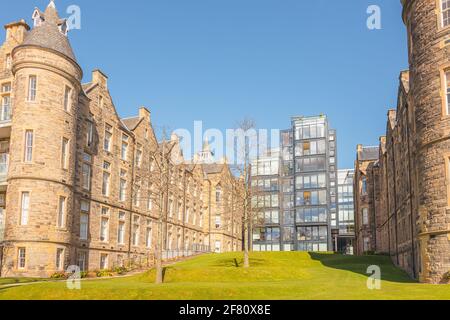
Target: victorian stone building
<point>78,184</point>
<point>411,173</point>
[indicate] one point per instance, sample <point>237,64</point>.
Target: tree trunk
<point>246,224</point>
<point>159,270</point>
<point>246,257</point>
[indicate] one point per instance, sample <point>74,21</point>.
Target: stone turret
<point>429,58</point>
<point>41,178</point>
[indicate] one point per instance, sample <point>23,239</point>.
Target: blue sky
<point>222,60</point>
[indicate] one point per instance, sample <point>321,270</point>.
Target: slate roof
<point>131,123</point>
<point>47,35</point>
<point>212,168</point>
<point>369,153</point>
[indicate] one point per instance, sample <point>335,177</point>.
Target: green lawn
<point>272,276</point>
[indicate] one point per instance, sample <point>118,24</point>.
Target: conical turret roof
<point>48,34</point>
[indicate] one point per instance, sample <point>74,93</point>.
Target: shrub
<point>59,276</point>
<point>446,276</point>
<point>120,270</point>
<point>104,273</point>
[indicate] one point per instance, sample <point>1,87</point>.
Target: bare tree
<point>157,175</point>
<point>228,205</point>
<point>246,126</point>
<point>164,164</point>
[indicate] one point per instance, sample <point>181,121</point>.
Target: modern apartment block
<point>295,189</point>
<point>267,222</point>
<point>78,184</point>
<point>345,236</point>
<point>410,178</point>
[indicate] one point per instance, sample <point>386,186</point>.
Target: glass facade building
<point>345,236</point>
<point>266,202</point>
<point>306,189</point>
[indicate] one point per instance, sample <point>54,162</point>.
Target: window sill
<point>442,29</point>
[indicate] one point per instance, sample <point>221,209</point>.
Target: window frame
<point>125,142</point>
<point>123,189</point>
<point>441,11</point>
<point>108,137</point>
<point>104,233</point>
<point>104,263</point>
<point>89,133</point>
<point>83,254</point>
<point>136,230</point>
<point>20,258</point>
<point>86,164</point>
<point>24,213</point>
<point>29,146</point>
<point>62,212</point>
<point>149,236</point>
<point>67,103</point>
<point>59,263</point>
<point>32,92</point>
<point>121,232</point>
<point>65,143</point>
<point>445,91</point>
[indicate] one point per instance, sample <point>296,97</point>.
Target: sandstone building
<point>410,204</point>
<point>81,186</point>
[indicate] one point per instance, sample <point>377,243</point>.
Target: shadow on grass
<point>359,265</point>
<point>238,263</point>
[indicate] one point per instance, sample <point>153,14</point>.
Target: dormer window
<point>37,18</point>
<point>63,28</point>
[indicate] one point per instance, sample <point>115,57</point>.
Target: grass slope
<point>272,276</point>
